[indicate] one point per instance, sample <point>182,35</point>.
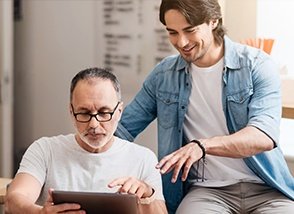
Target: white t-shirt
<point>60,163</point>
<point>205,119</point>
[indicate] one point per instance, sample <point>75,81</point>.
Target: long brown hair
<point>196,12</point>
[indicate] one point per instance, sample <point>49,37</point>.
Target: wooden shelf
<point>3,184</point>
<point>288,111</point>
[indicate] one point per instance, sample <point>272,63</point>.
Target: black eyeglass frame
<point>94,115</point>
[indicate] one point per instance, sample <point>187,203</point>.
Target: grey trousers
<point>237,198</point>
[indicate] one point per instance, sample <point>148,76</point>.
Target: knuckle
<point>123,189</point>
<point>186,167</point>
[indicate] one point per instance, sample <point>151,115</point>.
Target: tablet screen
<point>95,203</point>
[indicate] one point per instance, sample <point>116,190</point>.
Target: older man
<point>90,160</point>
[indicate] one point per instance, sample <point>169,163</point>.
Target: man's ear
<point>120,109</point>
<point>72,118</point>
<point>214,23</point>
<point>70,108</point>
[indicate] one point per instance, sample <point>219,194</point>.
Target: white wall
<point>240,18</point>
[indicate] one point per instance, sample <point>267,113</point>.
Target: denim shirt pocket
<point>237,107</point>
<point>167,108</point>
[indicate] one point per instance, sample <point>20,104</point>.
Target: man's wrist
<point>201,146</point>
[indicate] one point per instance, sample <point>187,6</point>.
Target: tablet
<point>98,203</point>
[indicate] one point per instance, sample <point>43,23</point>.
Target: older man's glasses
<point>99,116</point>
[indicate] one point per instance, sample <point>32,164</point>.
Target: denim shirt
<point>250,97</point>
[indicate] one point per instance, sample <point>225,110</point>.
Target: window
<point>275,19</point>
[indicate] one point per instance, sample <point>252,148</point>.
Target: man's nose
<point>93,123</point>
<point>182,40</point>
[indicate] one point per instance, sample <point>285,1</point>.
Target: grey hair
<point>101,73</point>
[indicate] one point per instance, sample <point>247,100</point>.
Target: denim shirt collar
<point>180,65</point>
<point>231,58</point>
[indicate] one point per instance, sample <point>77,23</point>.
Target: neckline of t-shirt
<point>209,69</point>
<point>117,145</point>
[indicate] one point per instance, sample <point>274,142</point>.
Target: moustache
<point>90,131</point>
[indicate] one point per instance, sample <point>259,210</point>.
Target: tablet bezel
<point>97,202</point>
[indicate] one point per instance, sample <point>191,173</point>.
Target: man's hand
<point>133,186</point>
<point>182,158</point>
<point>69,208</point>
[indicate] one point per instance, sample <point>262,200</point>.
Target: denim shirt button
<point>183,107</point>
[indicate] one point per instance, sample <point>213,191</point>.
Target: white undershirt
<point>204,119</point>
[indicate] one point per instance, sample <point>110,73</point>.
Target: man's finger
<point>187,168</point>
